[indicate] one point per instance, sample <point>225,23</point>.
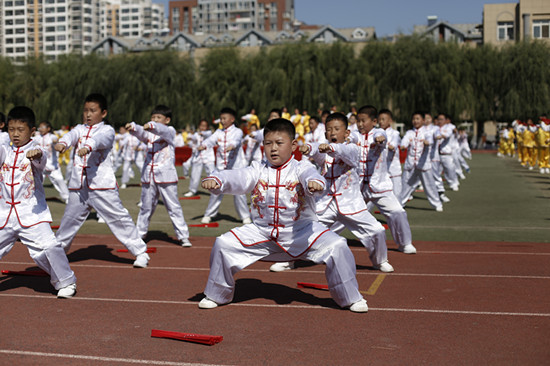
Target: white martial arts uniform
<point>340,203</point>
<point>132,152</point>
<point>159,177</point>
<point>394,164</point>
<point>253,150</point>
<point>52,169</point>
<point>435,159</point>
<point>230,137</point>
<point>4,138</point>
<point>24,214</point>
<point>317,136</point>
<point>92,184</point>
<point>377,187</point>
<point>200,159</point>
<point>418,167</point>
<point>446,155</point>
<point>284,227</point>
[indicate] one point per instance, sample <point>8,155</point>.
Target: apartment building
<point>524,20</point>
<point>221,16</point>
<point>55,27</point>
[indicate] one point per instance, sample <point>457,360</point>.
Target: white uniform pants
<point>216,200</point>
<point>196,173</point>
<point>438,180</point>
<point>56,177</point>
<point>412,177</point>
<point>150,193</point>
<point>43,248</point>
<point>395,214</point>
<point>127,169</point>
<point>228,257</point>
<point>108,205</point>
<point>396,181</point>
<point>365,228</point>
<point>447,162</point>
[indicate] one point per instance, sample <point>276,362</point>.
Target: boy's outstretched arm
<point>210,184</point>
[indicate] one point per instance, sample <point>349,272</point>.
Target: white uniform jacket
<point>46,142</point>
<point>343,182</point>
<point>418,154</point>
<point>394,139</point>
<point>446,145</point>
<point>4,138</point>
<point>225,138</point>
<point>204,156</point>
<point>319,135</point>
<point>434,148</point>
<point>159,165</point>
<point>95,169</point>
<point>21,190</point>
<point>373,164</point>
<point>280,205</point>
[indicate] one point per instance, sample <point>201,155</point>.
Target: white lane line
<point>297,271</point>
<point>194,303</point>
<point>99,358</point>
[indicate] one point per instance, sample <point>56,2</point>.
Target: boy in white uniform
<point>46,140</point>
<point>385,118</point>
<point>284,224</point>
<point>132,152</point>
<point>446,150</point>
<point>230,155</point>
<point>24,214</point>
<point>93,184</point>
<point>200,160</point>
<point>418,166</point>
<point>159,176</point>
<point>340,161</point>
<point>253,149</point>
<point>435,159</point>
<point>377,187</point>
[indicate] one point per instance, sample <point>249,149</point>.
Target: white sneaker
<point>100,220</point>
<point>189,194</point>
<point>547,170</point>
<point>141,260</point>
<point>139,204</point>
<point>206,303</point>
<point>206,220</point>
<point>408,249</point>
<point>439,208</point>
<point>542,171</point>
<point>67,292</point>
<point>281,266</point>
<point>444,198</point>
<point>247,221</point>
<point>462,176</point>
<point>186,243</point>
<point>359,306</point>
<point>385,267</point>
<point>530,168</point>
<point>123,186</point>
<point>454,188</point>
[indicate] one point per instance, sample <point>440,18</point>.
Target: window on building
<point>9,40</point>
<point>10,31</point>
<point>19,2</point>
<point>50,48</point>
<point>60,9</point>
<point>20,40</point>
<point>19,21</point>
<point>50,38</point>
<point>50,29</point>
<point>505,31</point>
<point>541,28</point>
<point>19,31</point>
<point>20,49</point>
<point>8,3</point>
<point>61,28</point>
<point>9,49</point>
<point>9,13</point>
<point>50,19</point>
<point>50,10</point>
<point>60,19</point>
<point>20,12</point>
<point>61,37</point>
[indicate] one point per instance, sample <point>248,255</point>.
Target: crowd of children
<point>528,141</point>
<point>297,207</point>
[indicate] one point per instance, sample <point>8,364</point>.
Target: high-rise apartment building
<point>55,27</point>
<point>221,16</point>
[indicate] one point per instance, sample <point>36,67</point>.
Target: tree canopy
<point>469,83</point>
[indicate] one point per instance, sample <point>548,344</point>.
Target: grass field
<point>499,201</point>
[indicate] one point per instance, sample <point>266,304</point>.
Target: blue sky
<point>387,16</point>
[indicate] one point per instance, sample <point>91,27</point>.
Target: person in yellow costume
<point>543,143</point>
<point>296,120</point>
<point>511,150</point>
<point>64,158</point>
<point>285,113</point>
<point>251,119</point>
<point>503,142</point>
<point>305,121</point>
<point>529,145</point>
<point>519,128</point>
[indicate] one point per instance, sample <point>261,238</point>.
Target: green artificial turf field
<point>499,201</point>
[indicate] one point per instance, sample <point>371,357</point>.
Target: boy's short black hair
<point>23,114</point>
<point>337,116</point>
<point>386,111</point>
<point>277,110</point>
<point>315,118</point>
<point>369,110</point>
<point>163,110</point>
<point>421,113</point>
<point>97,98</point>
<point>280,125</point>
<point>231,111</point>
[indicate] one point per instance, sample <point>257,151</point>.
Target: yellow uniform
<point>529,157</point>
<point>542,136</point>
<point>511,146</point>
